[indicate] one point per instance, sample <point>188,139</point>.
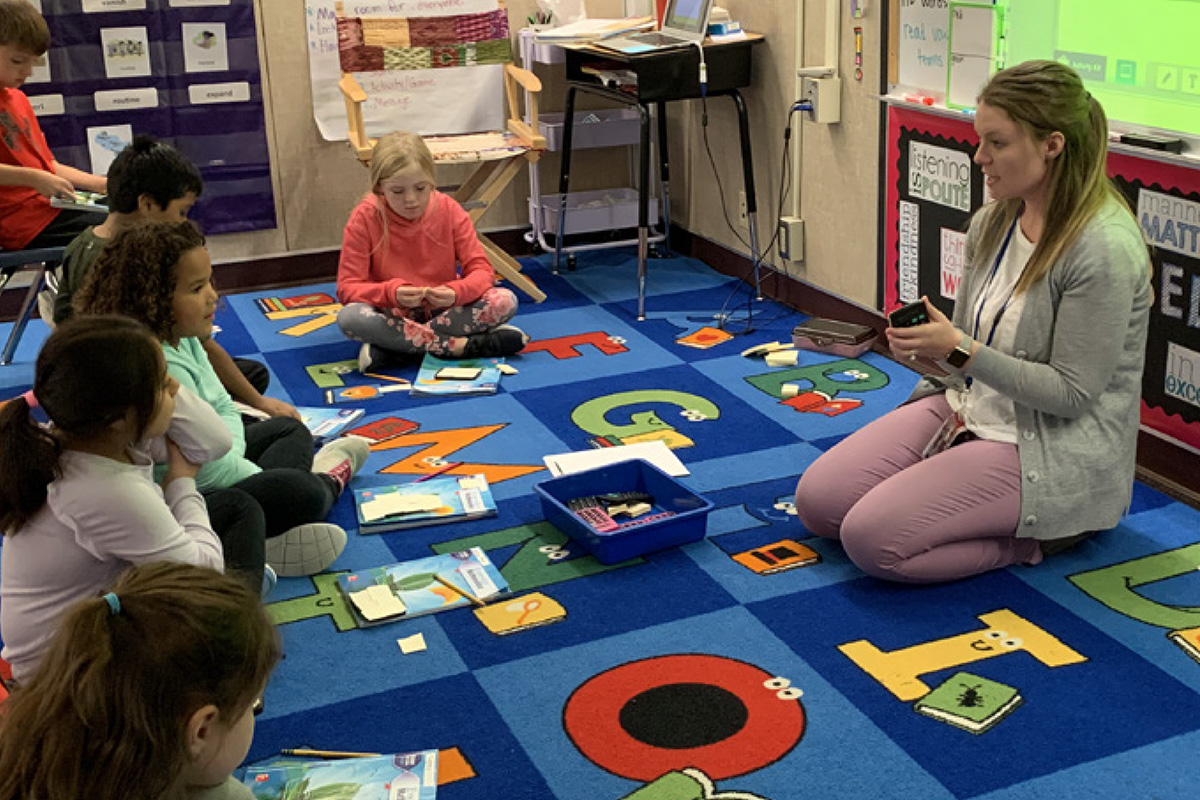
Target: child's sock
<point>341,460</point>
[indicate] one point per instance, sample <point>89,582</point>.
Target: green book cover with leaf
<point>970,702</point>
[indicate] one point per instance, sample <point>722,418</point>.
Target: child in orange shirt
<point>413,277</point>
<point>29,175</point>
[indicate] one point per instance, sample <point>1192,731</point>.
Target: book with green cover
<point>403,776</point>
<point>970,702</point>
<point>421,586</point>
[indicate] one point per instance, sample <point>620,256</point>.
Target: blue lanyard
<point>987,285</point>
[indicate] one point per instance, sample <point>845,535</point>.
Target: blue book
<point>404,776</point>
<point>445,498</point>
<point>326,423</point>
<point>438,376</point>
<point>422,586</point>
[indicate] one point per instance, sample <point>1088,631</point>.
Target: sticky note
<point>412,644</point>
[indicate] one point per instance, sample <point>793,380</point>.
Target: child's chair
<point>45,261</point>
<point>499,155</point>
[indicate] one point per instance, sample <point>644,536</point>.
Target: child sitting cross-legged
<point>161,275</point>
<point>78,500</point>
<point>147,692</point>
<point>413,275</point>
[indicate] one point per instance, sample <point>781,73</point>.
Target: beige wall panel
<point>318,182</point>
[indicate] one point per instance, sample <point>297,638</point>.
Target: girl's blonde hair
<point>395,153</point>
<point>105,715</point>
<point>1044,97</point>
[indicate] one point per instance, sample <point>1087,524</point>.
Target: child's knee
<point>351,318</point>
<point>503,303</point>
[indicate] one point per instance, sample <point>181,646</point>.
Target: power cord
<point>723,316</point>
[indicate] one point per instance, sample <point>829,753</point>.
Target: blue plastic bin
<point>687,524</point>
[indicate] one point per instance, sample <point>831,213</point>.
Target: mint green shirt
<point>188,363</point>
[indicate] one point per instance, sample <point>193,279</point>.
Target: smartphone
<point>457,373</point>
<point>909,315</point>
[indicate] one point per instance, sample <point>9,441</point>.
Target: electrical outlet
<point>743,214</point>
<point>791,238</point>
<point>825,95</point>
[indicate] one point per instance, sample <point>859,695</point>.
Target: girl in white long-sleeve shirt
<point>78,502</point>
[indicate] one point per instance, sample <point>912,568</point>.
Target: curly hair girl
<point>136,275</point>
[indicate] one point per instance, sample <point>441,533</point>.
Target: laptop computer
<point>685,22</point>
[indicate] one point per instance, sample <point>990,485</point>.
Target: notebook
<point>685,22</point>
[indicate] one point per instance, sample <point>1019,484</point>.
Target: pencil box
<point>833,337</point>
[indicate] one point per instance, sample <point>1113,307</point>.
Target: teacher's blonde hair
<point>1043,98</point>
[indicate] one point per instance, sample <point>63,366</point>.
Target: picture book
<point>453,379</point>
<point>403,776</point>
<point>327,424</point>
<point>381,430</point>
<point>421,586</point>
<point>969,702</point>
<point>445,498</point>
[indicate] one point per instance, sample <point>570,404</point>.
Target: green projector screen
<point>1140,58</point>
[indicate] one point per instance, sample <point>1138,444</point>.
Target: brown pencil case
<point>833,337</point>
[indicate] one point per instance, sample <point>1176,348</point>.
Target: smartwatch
<point>961,354</point>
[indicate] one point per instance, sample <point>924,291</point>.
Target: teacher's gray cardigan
<point>1074,374</point>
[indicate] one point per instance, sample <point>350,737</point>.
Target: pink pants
<point>915,520</point>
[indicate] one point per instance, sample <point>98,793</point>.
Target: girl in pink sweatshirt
<point>413,277</point>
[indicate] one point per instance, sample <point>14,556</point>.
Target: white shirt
<point>987,413</point>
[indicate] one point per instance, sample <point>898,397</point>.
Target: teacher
<point>1028,447</point>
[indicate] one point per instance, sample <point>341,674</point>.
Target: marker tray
<point>688,521</point>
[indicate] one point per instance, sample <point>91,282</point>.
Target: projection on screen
<point>1140,58</point>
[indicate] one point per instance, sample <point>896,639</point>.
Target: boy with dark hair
<point>150,181</point>
<point>29,175</point>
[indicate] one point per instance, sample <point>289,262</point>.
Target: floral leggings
<point>413,330</point>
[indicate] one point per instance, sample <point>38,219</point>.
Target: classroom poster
<point>1166,202</point>
<point>429,66</point>
<point>923,239</point>
<point>932,187</point>
<point>183,71</point>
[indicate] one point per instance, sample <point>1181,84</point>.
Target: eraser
<point>783,358</point>
<point>507,369</point>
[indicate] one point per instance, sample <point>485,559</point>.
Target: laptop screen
<point>686,15</point>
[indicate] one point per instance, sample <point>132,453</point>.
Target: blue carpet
<point>799,684</point>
